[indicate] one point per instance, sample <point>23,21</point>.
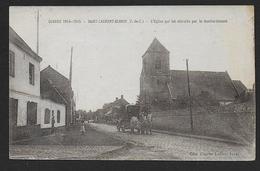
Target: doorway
<point>13,111</point>
<point>31,113</point>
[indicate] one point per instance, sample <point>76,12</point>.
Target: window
<point>31,113</point>
<point>158,63</point>
<point>58,116</point>
<point>11,63</point>
<point>47,116</point>
<point>52,117</point>
<point>31,73</point>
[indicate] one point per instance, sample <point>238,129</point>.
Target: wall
<point>20,82</point>
<point>235,125</point>
<point>46,103</point>
<point>23,132</point>
<point>22,106</point>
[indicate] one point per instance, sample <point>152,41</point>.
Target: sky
<point>107,57</point>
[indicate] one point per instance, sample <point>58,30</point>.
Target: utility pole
<point>71,95</point>
<point>188,80</point>
<point>71,65</point>
<point>37,48</point>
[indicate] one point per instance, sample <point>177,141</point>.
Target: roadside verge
<point>199,137</point>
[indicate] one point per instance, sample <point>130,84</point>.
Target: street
<point>104,142</point>
<point>68,146</point>
<point>169,147</point>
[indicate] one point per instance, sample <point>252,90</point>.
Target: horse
<point>145,125</point>
<point>142,122</point>
<point>135,124</point>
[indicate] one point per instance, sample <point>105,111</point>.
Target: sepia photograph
<point>174,83</point>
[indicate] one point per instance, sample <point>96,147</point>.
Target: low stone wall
<point>24,132</point>
<point>47,131</point>
<point>238,126</point>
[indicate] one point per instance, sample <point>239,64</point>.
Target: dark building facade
<point>160,85</point>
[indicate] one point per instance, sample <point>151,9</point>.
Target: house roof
<point>217,84</point>
<point>120,102</point>
<point>117,102</point>
<point>156,46</point>
<point>18,41</point>
<point>239,86</point>
<point>49,91</point>
<point>59,81</point>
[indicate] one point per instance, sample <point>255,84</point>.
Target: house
<point>116,107</point>
<point>52,103</point>
<point>99,114</point>
<point>164,87</point>
<point>30,106</point>
<point>24,87</point>
<point>61,85</point>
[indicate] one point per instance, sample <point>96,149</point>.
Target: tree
<point>139,100</point>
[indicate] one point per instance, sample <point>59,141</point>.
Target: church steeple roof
<point>156,46</point>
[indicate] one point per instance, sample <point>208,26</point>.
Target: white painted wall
<point>21,89</point>
<point>21,80</point>
<point>19,86</point>
<point>22,106</point>
<point>46,103</point>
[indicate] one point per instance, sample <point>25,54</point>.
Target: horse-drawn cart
<point>123,123</point>
<point>133,118</point>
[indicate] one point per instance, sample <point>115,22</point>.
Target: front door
<point>31,113</point>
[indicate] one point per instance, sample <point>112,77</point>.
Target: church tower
<point>155,74</point>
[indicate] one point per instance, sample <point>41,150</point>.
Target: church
<point>165,88</point>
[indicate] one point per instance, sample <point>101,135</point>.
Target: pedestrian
<point>82,128</point>
<point>85,125</point>
<point>52,123</point>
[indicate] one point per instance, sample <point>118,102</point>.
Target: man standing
<point>82,128</point>
<point>85,125</point>
<point>52,122</point>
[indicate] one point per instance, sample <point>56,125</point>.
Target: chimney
<point>122,96</point>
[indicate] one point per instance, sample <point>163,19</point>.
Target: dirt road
<point>104,142</point>
<point>162,146</point>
